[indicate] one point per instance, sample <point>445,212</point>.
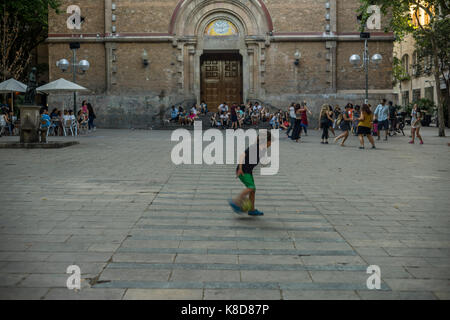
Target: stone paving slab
<point>163,294</point>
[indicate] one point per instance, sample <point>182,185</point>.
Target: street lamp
<point>77,67</point>
<point>297,57</point>
<point>355,60</point>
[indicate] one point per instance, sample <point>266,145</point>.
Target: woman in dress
<point>416,124</point>
<point>296,134</point>
<point>365,126</point>
<point>344,121</point>
<point>304,117</point>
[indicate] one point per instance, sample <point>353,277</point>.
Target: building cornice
<point>166,37</point>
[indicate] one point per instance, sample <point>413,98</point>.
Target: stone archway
<point>188,26</point>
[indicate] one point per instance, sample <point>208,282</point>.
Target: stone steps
<point>206,125</point>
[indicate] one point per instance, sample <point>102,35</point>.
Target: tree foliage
<point>432,39</point>
<point>23,26</point>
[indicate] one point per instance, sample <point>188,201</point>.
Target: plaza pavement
<point>140,227</point>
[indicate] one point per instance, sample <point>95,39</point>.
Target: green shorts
<point>247,180</point>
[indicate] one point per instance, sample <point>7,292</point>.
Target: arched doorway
<point>221,50</point>
<point>221,78</point>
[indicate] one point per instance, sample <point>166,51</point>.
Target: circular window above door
<point>221,28</point>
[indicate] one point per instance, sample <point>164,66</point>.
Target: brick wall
<point>93,12</point>
<point>160,75</point>
<point>297,15</point>
<point>283,76</point>
<point>144,16</point>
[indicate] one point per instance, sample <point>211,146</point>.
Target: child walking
<point>244,172</point>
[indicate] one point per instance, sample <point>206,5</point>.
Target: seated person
<point>204,107</point>
<point>255,118</point>
<point>66,116</point>
<point>274,121</point>
<point>191,118</point>
<point>181,116</point>
<point>174,114</point>
<point>194,109</point>
<point>82,118</point>
<point>224,119</point>
<point>285,125</point>
<point>213,120</point>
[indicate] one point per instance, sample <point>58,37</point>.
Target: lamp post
<point>355,60</point>
<point>297,57</point>
<point>82,66</point>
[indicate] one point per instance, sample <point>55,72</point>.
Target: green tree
<point>432,39</point>
<point>23,26</point>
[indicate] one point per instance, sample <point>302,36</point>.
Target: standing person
<point>244,172</point>
<point>382,115</point>
<point>365,125</point>
<point>46,119</point>
<point>292,118</point>
<point>393,117</point>
<point>331,122</point>
<point>234,117</point>
<point>337,113</point>
<point>296,134</point>
<point>324,122</point>
<point>92,117</point>
<point>356,116</point>
<point>84,107</point>
<point>304,117</point>
<point>416,124</point>
<point>344,122</point>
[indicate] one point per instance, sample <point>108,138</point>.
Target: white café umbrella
<point>61,86</point>
<point>11,86</point>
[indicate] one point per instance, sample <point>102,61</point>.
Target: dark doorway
<point>221,79</point>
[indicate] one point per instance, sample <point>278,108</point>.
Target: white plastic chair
<point>67,124</point>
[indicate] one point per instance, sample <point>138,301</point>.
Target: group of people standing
<point>298,114</point>
<point>362,121</point>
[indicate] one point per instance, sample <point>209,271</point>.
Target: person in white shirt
<point>382,115</point>
<point>194,109</point>
<point>292,117</point>
<point>66,116</point>
<point>223,107</point>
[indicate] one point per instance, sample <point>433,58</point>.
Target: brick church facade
<point>146,55</point>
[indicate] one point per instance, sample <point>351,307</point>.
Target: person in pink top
<point>84,107</point>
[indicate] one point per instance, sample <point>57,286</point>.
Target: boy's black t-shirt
<point>247,167</point>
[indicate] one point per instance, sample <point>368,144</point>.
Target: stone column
<point>29,123</point>
<point>331,17</point>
